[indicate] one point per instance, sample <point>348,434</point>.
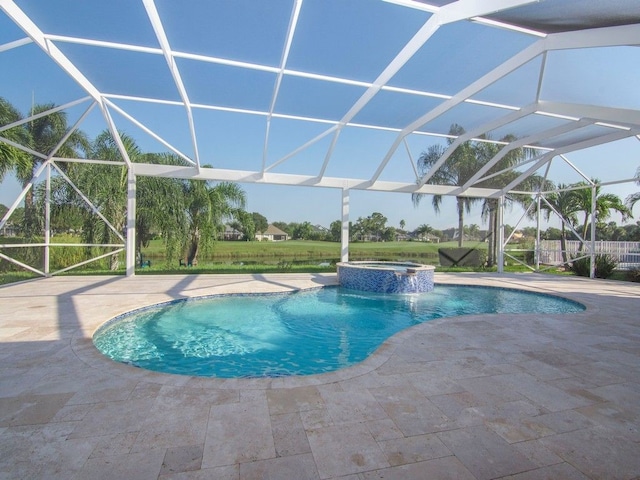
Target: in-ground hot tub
<point>386,277</point>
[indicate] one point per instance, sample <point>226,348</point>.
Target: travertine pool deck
<point>475,397</point>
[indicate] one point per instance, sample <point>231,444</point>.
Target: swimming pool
<point>299,333</point>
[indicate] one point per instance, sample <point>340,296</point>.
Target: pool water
<point>299,333</point>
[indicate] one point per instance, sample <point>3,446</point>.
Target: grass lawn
<point>275,257</point>
<point>250,257</point>
<point>305,248</point>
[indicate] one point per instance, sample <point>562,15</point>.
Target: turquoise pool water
<point>299,333</point>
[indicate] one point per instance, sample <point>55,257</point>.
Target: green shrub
<point>605,265</point>
<point>633,275</point>
<point>462,257</point>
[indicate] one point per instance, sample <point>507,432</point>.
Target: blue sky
<point>327,42</point>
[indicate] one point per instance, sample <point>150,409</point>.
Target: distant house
<point>272,234</point>
<point>426,237</point>
<point>8,230</point>
<point>320,229</point>
<point>231,233</point>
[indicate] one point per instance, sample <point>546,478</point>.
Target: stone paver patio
<point>476,397</point>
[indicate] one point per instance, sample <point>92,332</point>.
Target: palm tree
<point>44,134</point>
<point>456,171</point>
<point>206,208</point>
<point>485,151</point>
<point>605,203</point>
<point>565,203</point>
<point>11,158</point>
<point>160,207</point>
<point>106,186</point>
<point>632,199</point>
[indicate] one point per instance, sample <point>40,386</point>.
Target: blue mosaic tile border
<point>386,280</point>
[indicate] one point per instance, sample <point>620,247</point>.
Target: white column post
<point>131,224</point>
<point>537,246</point>
<point>592,268</point>
<point>47,221</point>
<point>344,237</point>
<point>501,235</point>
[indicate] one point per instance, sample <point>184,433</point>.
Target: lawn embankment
<point>242,257</point>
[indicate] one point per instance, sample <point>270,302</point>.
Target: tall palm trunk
<point>563,244</point>
<point>491,250</point>
<point>192,253</point>
<point>30,215</point>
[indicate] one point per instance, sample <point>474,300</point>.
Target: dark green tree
<point>260,222</point>
<point>246,224</point>
<point>302,231</point>
<point>45,133</point>
<point>335,231</point>
<point>207,207</point>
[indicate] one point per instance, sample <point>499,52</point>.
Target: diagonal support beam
<point>293,23</point>
<point>600,37</point>
<point>149,132</point>
<point>487,127</point>
<point>453,12</point>
<point>161,35</point>
<point>496,74</point>
<point>532,139</point>
<point>31,29</point>
<point>592,142</point>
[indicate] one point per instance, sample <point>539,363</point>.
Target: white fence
<point>627,254</point>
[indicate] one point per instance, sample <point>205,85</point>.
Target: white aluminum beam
<point>415,43</point>
<point>44,114</point>
<point>15,44</point>
<point>242,176</point>
<point>466,9</point>
<point>293,22</point>
<point>612,137</point>
<point>550,133</point>
<point>23,265</point>
<point>575,168</point>
<point>619,36</point>
<point>487,127</point>
<point>617,117</point>
<point>453,12</point>
<point>93,208</point>
<point>150,132</point>
<point>111,125</point>
<point>79,264</point>
<point>493,76</point>
<point>158,28</point>
<point>31,29</point>
<point>612,36</point>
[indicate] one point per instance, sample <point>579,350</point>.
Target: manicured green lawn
<point>312,249</point>
<point>270,257</point>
